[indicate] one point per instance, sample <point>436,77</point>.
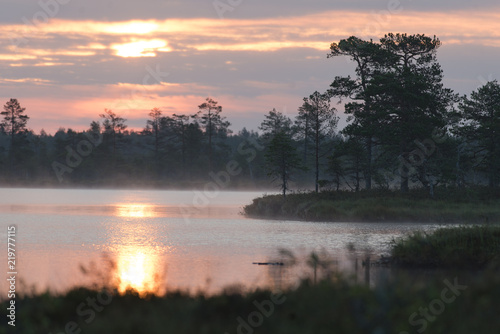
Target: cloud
<point>246,59</point>
<point>14,11</point>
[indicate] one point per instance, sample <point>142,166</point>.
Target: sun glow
<point>141,48</point>
<point>137,269</point>
<point>133,27</point>
<point>136,211</point>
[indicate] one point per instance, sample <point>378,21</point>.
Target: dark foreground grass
<point>452,305</point>
<point>447,206</point>
<point>466,247</point>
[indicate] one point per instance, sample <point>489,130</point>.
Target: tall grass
<point>457,247</point>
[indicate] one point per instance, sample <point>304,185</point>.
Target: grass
<point>473,247</point>
<point>480,205</point>
<point>331,306</point>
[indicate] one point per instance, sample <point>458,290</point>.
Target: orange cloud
<point>312,31</point>
<point>36,81</point>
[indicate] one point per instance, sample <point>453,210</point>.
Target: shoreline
<point>456,206</point>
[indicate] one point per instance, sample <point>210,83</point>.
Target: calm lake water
<point>157,240</point>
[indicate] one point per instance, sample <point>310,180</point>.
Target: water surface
<point>158,240</point>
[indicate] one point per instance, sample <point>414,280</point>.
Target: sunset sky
<point>67,60</point>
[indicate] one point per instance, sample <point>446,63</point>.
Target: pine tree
<point>281,160</point>
<point>212,123</point>
<point>480,126</point>
<point>14,121</point>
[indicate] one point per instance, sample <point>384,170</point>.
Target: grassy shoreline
<point>448,206</point>
<point>463,247</point>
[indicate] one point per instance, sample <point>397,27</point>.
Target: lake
<point>152,241</point>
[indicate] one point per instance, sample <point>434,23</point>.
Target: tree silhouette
<point>213,124</point>
<point>14,125</point>
<point>397,97</point>
<point>321,124</point>
<point>113,126</point>
<point>14,121</point>
<point>274,123</point>
<point>180,124</point>
<point>281,159</point>
<point>408,97</point>
<point>480,125</point>
<point>369,58</point>
<point>155,123</point>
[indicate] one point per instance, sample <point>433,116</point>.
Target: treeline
<point>177,150</point>
<point>405,129</point>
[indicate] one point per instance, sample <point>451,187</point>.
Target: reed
<point>464,247</point>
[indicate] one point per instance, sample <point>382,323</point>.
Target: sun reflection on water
<point>136,210</point>
<point>140,269</point>
<point>139,262</point>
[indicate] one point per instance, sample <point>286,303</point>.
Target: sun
<point>141,48</point>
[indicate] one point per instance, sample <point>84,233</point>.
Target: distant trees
<point>113,125</point>
<point>155,124</point>
<point>160,128</point>
<point>181,132</point>
<point>187,143</point>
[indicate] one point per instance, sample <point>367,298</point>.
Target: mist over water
<point>152,241</point>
